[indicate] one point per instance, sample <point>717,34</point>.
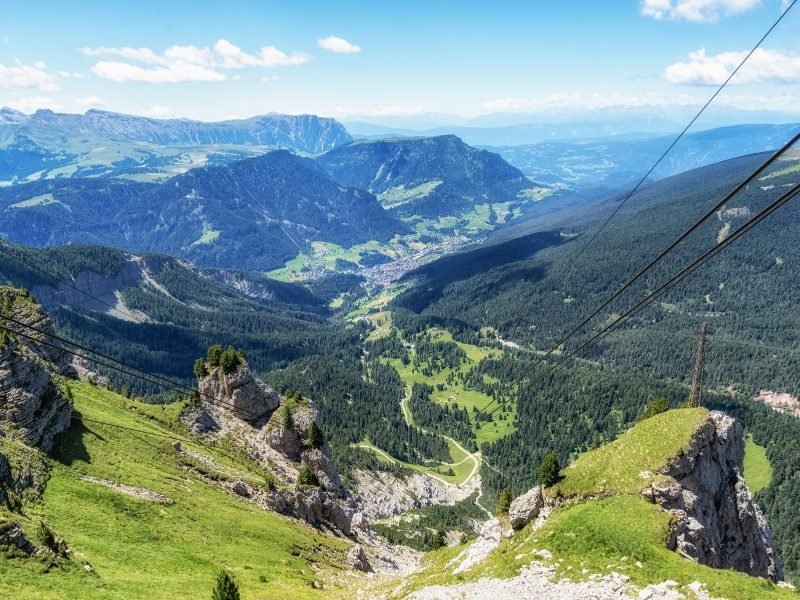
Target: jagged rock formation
<point>526,508</point>
<point>280,442</point>
<point>245,396</point>
<point>32,408</point>
<point>714,519</point>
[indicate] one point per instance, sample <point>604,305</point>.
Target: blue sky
<point>214,60</point>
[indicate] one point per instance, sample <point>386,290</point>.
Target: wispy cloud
<point>27,76</point>
<point>588,101</point>
<point>696,11</point>
<point>185,63</point>
<point>338,45</point>
<point>764,66</point>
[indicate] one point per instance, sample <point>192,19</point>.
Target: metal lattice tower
<point>699,364</point>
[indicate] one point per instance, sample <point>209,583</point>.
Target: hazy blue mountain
<point>48,144</point>
<point>613,162</point>
<point>429,177</point>
<point>253,214</point>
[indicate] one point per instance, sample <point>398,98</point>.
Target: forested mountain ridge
<point>252,214</point>
<point>429,177</point>
<point>739,292</point>
<point>48,144</point>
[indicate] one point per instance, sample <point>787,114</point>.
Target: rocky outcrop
<point>12,535</point>
<point>714,520</point>
<point>357,558</point>
<point>526,508</point>
<point>31,404</point>
<point>323,468</point>
<point>280,444</point>
<point>243,395</point>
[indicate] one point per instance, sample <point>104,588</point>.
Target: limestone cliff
<point>274,432</point>
<point>714,519</point>
<point>32,407</point>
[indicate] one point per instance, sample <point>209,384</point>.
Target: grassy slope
<point>757,470</point>
<point>621,532</point>
<point>626,464</point>
<point>142,549</point>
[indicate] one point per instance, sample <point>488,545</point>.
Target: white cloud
<point>233,57</point>
<point>158,112</point>
<point>185,63</point>
<point>764,66</point>
<point>338,45</point>
<point>90,101</point>
<point>174,73</point>
<point>27,76</point>
<point>696,11</point>
<point>34,103</point>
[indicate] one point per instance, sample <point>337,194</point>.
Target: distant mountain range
<point>430,177</point>
<point>48,144</point>
<point>561,124</point>
<point>253,214</point>
<point>615,162</point>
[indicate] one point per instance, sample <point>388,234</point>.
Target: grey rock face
<point>714,519</point>
<point>289,440</point>
<point>31,404</point>
<point>526,508</point>
<point>240,393</point>
<point>357,558</point>
<point>323,468</point>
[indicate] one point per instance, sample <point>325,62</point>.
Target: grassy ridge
<point>144,549</point>
<point>627,464</point>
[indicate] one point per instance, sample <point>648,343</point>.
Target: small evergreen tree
<point>439,540</point>
<point>548,470</point>
<point>214,354</point>
<point>226,588</point>
<point>316,438</point>
<point>503,502</point>
<point>200,370</point>
<point>655,407</point>
<point>230,360</point>
<point>287,422</point>
<point>307,477</point>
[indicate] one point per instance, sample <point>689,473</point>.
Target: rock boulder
<point>526,508</point>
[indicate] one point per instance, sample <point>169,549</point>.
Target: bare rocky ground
<point>539,582</point>
<point>128,490</point>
